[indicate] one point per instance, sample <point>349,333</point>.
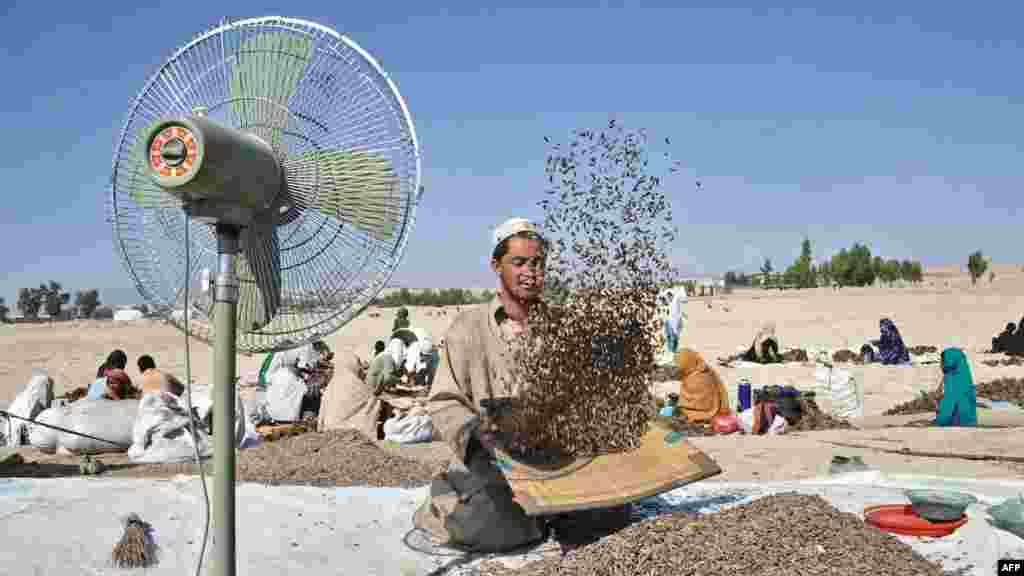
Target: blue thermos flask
<point>744,394</point>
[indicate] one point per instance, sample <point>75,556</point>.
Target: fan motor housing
<point>223,174</point>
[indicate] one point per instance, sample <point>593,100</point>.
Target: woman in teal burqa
<point>958,403</point>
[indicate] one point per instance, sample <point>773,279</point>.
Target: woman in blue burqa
<point>891,349</point>
<point>958,404</point>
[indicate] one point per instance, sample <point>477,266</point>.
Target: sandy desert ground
<point>945,310</point>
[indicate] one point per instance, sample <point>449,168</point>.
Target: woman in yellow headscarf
<point>702,395</point>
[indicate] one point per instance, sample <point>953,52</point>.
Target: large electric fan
<point>272,163</point>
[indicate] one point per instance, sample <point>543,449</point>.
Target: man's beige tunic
<point>349,403</point>
<point>472,503</point>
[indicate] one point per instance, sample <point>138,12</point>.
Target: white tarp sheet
<point>289,529</point>
<point>70,525</point>
<point>129,315</point>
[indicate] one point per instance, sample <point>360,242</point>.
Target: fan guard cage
<point>326,98</point>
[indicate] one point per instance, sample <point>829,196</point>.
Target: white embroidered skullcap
<point>511,227</point>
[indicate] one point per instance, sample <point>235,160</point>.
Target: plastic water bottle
<point>670,406</point>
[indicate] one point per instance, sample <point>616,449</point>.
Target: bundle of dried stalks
<point>586,360</point>
<point>136,549</point>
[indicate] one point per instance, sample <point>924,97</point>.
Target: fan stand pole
<point>224,350</point>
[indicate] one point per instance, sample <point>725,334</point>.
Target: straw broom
<point>136,549</point>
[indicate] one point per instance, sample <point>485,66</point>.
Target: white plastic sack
<point>32,400</point>
<point>746,420</point>
<point>42,437</point>
<point>409,429</point>
<point>202,402</point>
<point>302,357</point>
<point>107,419</point>
<point>254,403</point>
<point>245,429</point>
<point>778,425</point>
<point>162,432</point>
<point>842,387</point>
<point>284,395</point>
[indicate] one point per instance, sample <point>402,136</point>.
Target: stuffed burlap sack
<point>473,507</point>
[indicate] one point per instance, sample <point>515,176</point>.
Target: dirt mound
<point>812,418</point>
<point>77,394</point>
<point>784,534</point>
<point>1002,389</point>
<point>918,350</point>
<point>1008,361</point>
<point>336,458</point>
<point>846,357</point>
<point>797,355</point>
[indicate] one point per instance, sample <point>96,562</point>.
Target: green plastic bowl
<point>939,505</point>
<point>1009,515</point>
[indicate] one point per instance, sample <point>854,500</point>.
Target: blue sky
<point>895,124</point>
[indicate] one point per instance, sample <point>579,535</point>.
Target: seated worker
<point>378,348</point>
<point>421,360</point>
<point>117,360</point>
<point>891,349</point>
<point>1001,343</point>
<point>318,376</point>
<point>472,503</point>
<point>386,369</point>
<point>401,319</point>
<point>765,349</point>
<point>702,395</point>
<point>353,403</point>
<point>154,380</point>
<point>958,404</point>
<point>119,385</point>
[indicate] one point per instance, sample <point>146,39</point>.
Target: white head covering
<point>426,346</point>
<point>512,227</point>
<point>412,357</point>
<point>396,349</point>
<point>426,343</point>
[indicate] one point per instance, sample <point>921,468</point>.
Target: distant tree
<point>30,302</point>
<point>877,264</point>
<point>916,272</point>
<point>802,272</point>
<point>854,266</point>
<point>825,273</point>
<point>976,266</point>
<point>861,270</point>
<point>103,313</point>
<point>839,264</point>
<point>442,297</point>
<point>766,271</point>
<point>733,278</point>
<point>906,270</point>
<point>4,310</point>
<point>890,271</point>
<point>142,308</point>
<point>87,301</point>
<point>54,299</point>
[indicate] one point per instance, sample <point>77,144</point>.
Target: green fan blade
<point>259,273</point>
<point>141,189</point>
<point>356,187</point>
<point>268,67</point>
